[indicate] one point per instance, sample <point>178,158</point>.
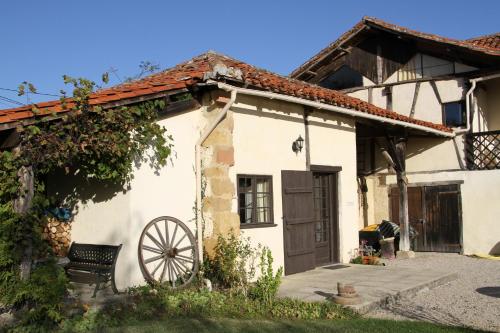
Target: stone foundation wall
<point>58,234</point>
<point>220,190</point>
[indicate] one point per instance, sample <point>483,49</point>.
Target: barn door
<point>298,221</point>
<point>442,218</point>
<point>415,213</point>
<point>434,212</point>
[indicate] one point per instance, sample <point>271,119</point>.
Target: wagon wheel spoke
<point>151,249</point>
<point>156,268</point>
<point>180,240</point>
<point>180,273</point>
<point>191,247</point>
<point>154,240</point>
<point>163,271</point>
<point>181,264</point>
<point>167,238</point>
<point>180,270</point>
<point>147,261</point>
<point>188,259</point>
<point>172,274</point>
<point>164,244</point>
<point>175,233</point>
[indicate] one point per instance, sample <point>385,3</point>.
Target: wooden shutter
<point>298,221</point>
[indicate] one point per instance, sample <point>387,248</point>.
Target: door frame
<point>334,208</point>
<point>436,183</point>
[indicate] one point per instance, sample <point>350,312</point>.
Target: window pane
<point>263,215</point>
<point>245,184</point>
<point>454,114</point>
<point>262,185</point>
<point>263,200</point>
<point>245,202</point>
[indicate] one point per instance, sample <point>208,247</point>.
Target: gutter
<point>201,140</point>
<point>323,106</point>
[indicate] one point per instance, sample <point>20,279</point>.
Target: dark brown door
<point>434,212</point>
<point>442,225</point>
<point>298,221</point>
<point>415,213</point>
<point>325,226</point>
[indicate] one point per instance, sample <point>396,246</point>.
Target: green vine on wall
<point>98,145</point>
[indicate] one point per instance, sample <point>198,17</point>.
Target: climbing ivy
<point>99,145</point>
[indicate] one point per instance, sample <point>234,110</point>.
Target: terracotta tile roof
<point>490,45</point>
<point>489,41</point>
<point>219,67</point>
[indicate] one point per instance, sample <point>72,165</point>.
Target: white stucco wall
<point>263,147</point>
<point>171,192</point>
<point>263,134</point>
<point>427,106</point>
<point>332,143</point>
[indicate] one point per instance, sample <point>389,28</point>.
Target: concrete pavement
<point>376,285</point>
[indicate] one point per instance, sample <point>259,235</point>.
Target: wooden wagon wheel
<point>168,252</point>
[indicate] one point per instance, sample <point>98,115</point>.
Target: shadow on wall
<point>413,149</point>
<point>495,250</point>
<point>70,189</point>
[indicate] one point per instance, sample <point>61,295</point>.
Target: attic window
<point>454,114</point>
<point>343,78</point>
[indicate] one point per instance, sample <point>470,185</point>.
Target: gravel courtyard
<point>472,300</point>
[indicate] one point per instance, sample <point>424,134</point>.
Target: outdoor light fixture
<point>297,145</point>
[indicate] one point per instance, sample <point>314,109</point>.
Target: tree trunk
<point>22,205</point>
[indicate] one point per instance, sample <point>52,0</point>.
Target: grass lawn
<point>181,325</point>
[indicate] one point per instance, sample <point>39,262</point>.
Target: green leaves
<point>102,146</point>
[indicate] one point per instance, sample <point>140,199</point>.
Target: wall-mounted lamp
<point>297,145</point>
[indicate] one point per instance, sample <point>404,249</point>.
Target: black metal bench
<point>92,263</point>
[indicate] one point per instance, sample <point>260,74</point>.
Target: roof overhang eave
<point>333,108</point>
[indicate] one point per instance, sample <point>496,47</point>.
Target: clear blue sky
<point>42,40</point>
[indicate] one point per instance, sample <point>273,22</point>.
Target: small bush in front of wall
<point>232,265</point>
<point>266,286</point>
<point>38,299</point>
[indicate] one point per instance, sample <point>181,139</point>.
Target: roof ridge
<point>366,21</point>
<point>495,34</point>
<point>212,65</point>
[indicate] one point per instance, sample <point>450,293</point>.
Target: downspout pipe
<point>199,143</point>
<point>468,103</point>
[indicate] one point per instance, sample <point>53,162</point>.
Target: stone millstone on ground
<point>347,295</point>
<point>472,300</point>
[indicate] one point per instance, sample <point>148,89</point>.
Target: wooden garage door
<point>298,221</point>
<point>434,212</point>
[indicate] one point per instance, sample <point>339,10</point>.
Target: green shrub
<point>39,299</point>
<point>145,305</point>
<point>267,285</point>
<point>232,265</point>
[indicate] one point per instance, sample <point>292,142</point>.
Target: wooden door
<point>434,212</point>
<point>442,224</point>
<point>415,213</point>
<point>325,213</point>
<point>298,221</point>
